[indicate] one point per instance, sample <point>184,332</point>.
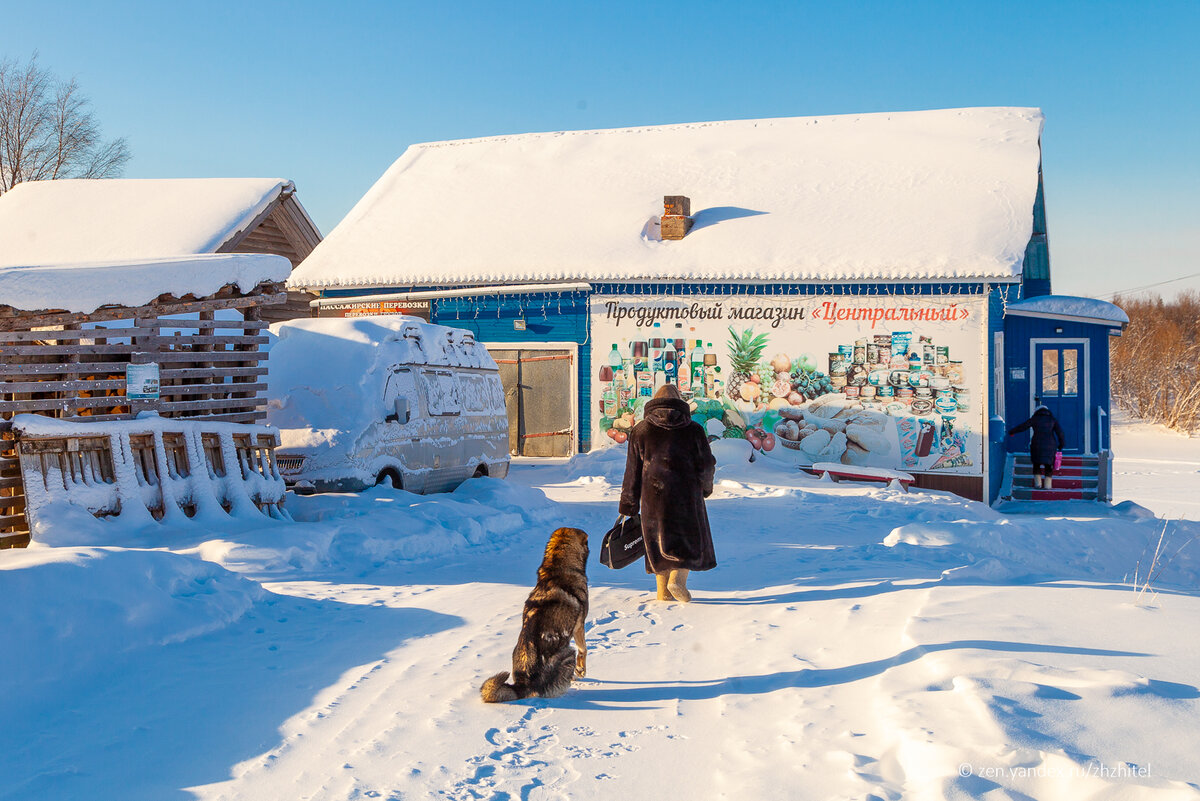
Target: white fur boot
<point>677,584</point>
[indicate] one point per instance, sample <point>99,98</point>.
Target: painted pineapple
<point>745,349</point>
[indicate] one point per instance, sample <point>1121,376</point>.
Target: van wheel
<point>389,475</point>
<point>480,471</point>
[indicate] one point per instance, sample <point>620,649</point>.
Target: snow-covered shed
<point>90,343</point>
<point>831,288</point>
<point>118,220</point>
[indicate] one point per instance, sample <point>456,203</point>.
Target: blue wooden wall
<point>549,317</point>
<point>1018,331</point>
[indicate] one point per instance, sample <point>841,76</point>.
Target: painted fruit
<point>753,438</point>
<point>751,391</point>
<point>612,433</point>
<point>781,388</point>
<point>768,441</point>
<point>781,363</point>
<point>620,437</point>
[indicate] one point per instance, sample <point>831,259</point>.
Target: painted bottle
<point>657,346</point>
<point>710,370</point>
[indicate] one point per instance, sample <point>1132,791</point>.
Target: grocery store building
<point>837,283</point>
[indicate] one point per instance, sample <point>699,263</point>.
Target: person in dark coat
<point>1047,440</point>
<point>668,474</point>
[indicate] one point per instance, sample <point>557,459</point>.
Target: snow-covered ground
<point>855,642</point>
<point>1157,467</point>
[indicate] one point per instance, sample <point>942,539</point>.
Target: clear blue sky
<point>329,94</point>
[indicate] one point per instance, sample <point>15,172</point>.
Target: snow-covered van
<point>358,401</point>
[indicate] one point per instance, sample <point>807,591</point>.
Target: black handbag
<point>623,543</point>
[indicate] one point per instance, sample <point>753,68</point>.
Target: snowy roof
<point>87,286</point>
<point>83,220</point>
<point>1070,306</point>
<point>913,195</point>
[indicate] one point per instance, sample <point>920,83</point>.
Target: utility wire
<point>1112,295</point>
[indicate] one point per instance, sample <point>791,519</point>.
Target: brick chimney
<point>676,219</point>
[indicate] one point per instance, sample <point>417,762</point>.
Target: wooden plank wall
<point>72,366</point>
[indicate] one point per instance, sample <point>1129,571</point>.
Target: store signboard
<point>365,308</point>
<point>880,381</point>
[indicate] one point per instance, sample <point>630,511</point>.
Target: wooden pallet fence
<point>71,366</point>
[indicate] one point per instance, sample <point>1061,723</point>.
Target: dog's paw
<point>580,671</point>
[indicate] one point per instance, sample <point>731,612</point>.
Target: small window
<point>1049,372</point>
<point>477,395</point>
<point>441,391</point>
<point>400,384</point>
<point>1070,371</point>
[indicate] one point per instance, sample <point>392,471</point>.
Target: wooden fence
<point>72,366</point>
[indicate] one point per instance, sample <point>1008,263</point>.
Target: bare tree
<point>1156,363</point>
<point>48,129</point>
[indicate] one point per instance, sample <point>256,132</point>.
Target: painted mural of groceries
<point>915,382</point>
<point>883,400</point>
<point>630,376</point>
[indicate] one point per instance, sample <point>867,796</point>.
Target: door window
<point>1050,372</point>
<point>1070,371</point>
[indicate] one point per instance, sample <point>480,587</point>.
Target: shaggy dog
<point>543,661</point>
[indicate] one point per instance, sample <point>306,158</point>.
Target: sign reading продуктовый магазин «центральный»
<point>893,382</point>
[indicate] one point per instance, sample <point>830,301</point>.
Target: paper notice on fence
<point>141,381</point>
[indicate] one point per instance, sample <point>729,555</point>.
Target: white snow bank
<point>71,607</point>
<point>912,195</point>
<point>384,526</point>
<point>85,286</point>
<point>104,220</point>
<point>1071,306</point>
<point>1089,541</point>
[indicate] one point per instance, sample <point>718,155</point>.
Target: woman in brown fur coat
<point>668,474</point>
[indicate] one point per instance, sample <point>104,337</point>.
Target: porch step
<point>1052,495</point>
<point>1077,479</point>
<point>1076,472</point>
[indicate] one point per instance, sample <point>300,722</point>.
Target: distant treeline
<point>1156,364</point>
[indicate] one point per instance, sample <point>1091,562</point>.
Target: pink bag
<point>1057,461</point>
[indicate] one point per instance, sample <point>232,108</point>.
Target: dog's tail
<point>495,690</point>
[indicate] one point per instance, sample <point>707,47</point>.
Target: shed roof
<point>923,195</point>
<point>1069,307</point>
<point>86,286</point>
<point>79,220</point>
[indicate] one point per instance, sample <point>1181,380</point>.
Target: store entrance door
<point>1060,382</point>
<point>539,393</point>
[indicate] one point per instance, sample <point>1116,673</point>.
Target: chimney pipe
<point>676,220</point>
